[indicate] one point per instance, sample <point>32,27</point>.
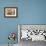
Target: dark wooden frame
<point>11,16</point>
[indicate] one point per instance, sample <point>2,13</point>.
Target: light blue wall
<point>29,12</point>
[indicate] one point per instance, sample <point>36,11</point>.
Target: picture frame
<point>37,29</point>
<point>10,12</point>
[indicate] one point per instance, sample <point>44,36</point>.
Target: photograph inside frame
<point>10,12</point>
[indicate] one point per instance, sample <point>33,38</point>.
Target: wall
<point>29,12</point>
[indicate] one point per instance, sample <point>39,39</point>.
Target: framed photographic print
<point>11,12</point>
<point>33,32</point>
